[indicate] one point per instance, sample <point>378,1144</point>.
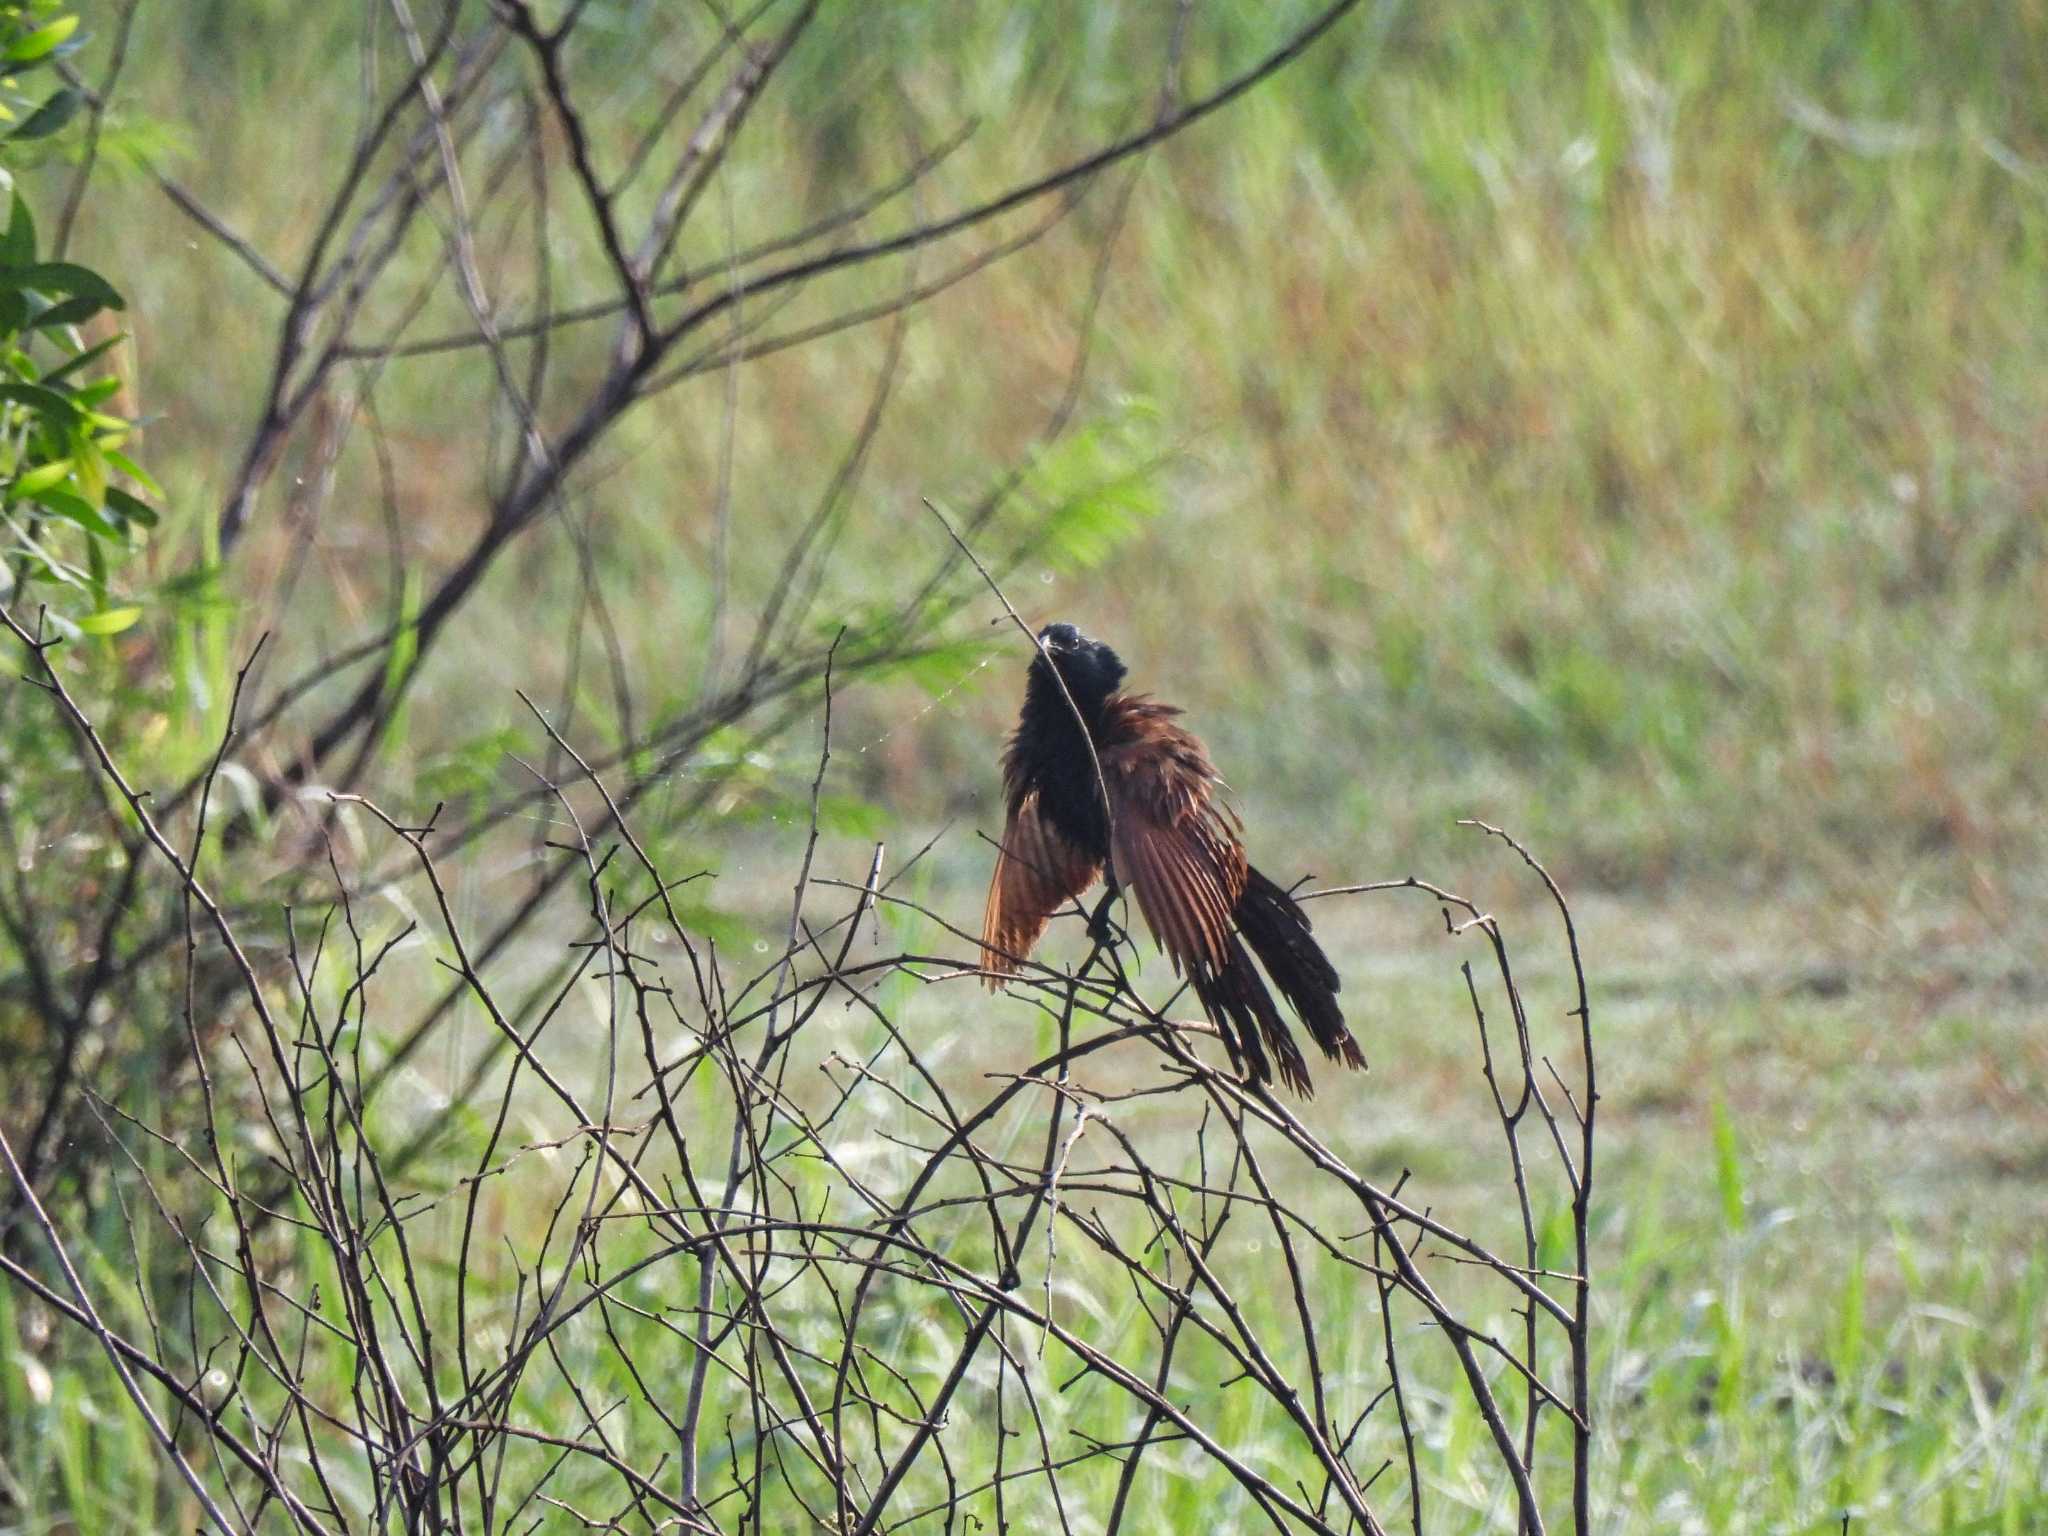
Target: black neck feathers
<point>1050,752</point>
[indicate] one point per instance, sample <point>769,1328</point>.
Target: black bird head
<point>1090,669</point>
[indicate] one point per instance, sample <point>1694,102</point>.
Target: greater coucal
<point>1142,803</point>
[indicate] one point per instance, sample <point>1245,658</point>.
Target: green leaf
<point>41,478</point>
<point>133,471</point>
<point>65,312</point>
<point>64,277</point>
<point>76,509</point>
<point>95,563</point>
<point>18,245</point>
<point>90,355</point>
<point>1849,1328</point>
<point>48,402</point>
<point>90,471</point>
<point>109,621</point>
<point>133,508</point>
<point>51,115</point>
<point>63,50</point>
<point>1728,1168</point>
<point>42,41</point>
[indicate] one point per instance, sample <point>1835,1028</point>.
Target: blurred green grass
<point>1626,422</point>
<point>1630,421</point>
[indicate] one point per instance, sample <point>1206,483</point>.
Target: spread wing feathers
<point>1037,872</point>
<point>1185,880</point>
<point>1180,852</point>
<point>1273,923</point>
<point>1172,845</point>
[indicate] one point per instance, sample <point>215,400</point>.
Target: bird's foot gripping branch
<point>666,1238</point>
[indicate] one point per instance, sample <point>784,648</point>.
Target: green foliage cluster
<point>68,522</point>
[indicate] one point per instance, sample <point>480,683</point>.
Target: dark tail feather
<point>1242,1010</point>
<point>1278,931</point>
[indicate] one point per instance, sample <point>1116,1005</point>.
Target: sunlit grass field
<point>1627,423</point>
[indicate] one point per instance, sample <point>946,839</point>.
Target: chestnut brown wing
<point>1172,845</point>
<point>1037,873</point>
